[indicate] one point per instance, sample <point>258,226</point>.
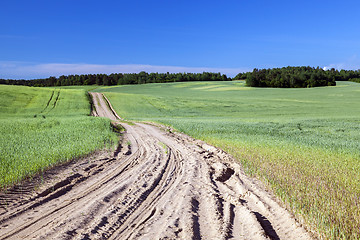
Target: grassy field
<point>304,143</point>
<point>41,126</point>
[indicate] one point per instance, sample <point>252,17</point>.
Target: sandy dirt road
<point>157,185</point>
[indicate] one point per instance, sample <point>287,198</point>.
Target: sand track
<point>162,185</point>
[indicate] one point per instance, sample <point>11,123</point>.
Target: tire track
<point>56,101</point>
<point>47,105</point>
<point>185,190</point>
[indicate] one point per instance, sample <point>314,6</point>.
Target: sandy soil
<point>157,185</point>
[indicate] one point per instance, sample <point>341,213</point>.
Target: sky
<point>42,38</point>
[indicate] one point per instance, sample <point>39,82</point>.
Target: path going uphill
<point>157,185</point>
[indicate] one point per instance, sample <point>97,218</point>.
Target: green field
<point>40,127</point>
<point>303,143</point>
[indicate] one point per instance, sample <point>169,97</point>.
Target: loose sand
<point>157,185</point>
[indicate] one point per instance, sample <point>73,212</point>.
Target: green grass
<point>36,133</point>
<point>304,143</point>
<point>89,88</point>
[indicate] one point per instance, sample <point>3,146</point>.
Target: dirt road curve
<point>157,185</point>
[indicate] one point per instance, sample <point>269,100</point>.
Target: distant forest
<point>286,77</point>
<point>118,79</point>
<point>297,77</point>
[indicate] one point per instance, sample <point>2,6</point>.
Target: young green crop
<point>41,126</point>
<point>304,143</point>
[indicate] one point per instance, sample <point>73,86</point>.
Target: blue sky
<point>49,38</point>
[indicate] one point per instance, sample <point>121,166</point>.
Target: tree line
<point>286,77</point>
<point>297,77</point>
<point>118,79</point>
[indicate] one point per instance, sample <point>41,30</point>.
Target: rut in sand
<point>160,186</point>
